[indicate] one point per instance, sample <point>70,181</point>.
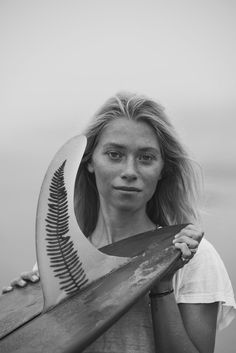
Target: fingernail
<point>177,235</point>
<point>22,283</point>
<point>7,289</point>
<point>35,278</point>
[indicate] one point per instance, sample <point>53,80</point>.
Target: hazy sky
<point>61,59</point>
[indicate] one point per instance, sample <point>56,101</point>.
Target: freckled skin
<point>127,155</point>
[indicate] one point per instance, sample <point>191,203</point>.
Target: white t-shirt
<point>205,280</point>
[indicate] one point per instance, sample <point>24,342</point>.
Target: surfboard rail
<point>77,321</point>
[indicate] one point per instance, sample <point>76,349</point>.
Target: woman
<point>135,176</point>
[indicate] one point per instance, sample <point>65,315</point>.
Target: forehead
<point>127,132</point>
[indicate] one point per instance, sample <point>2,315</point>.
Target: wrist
<point>154,294</point>
<point>162,287</point>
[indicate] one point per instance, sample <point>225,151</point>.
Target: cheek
<point>151,182</point>
<point>151,185</point>
<point>103,176</point>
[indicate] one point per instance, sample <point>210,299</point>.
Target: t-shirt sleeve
<point>205,280</point>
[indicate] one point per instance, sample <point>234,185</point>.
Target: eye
<point>146,157</point>
<point>114,155</point>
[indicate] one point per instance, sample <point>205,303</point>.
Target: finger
<point>7,289</point>
<point>193,226</point>
<point>192,233</point>
<point>30,276</point>
<point>182,261</point>
<point>18,282</point>
<point>186,253</point>
<point>191,243</point>
<point>36,272</point>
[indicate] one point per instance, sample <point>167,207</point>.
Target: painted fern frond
<point>64,258</point>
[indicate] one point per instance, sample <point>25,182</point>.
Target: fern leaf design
<point>60,248</point>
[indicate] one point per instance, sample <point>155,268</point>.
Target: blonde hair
<point>175,199</point>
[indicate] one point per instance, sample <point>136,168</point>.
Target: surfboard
<point>81,318</point>
<point>83,290</point>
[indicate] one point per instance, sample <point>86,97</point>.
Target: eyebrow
<point>142,149</point>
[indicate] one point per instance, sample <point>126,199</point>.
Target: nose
<point>129,171</point>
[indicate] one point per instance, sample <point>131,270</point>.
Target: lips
<point>127,188</point>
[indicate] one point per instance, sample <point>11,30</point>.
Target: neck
<point>117,224</point>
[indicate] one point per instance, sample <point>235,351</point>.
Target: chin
<point>127,206</point>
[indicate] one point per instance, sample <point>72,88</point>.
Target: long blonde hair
<point>175,199</point>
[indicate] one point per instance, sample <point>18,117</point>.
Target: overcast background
<point>60,60</point>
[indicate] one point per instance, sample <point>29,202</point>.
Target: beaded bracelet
<point>158,295</point>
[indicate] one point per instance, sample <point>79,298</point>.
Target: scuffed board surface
<point>78,321</point>
<point>19,306</point>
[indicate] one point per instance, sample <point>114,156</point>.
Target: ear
<point>90,167</point>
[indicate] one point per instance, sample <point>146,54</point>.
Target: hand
<point>187,240</point>
<point>22,281</point>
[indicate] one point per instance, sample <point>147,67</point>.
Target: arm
<point>183,328</point>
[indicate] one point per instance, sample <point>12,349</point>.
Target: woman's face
<point>127,164</point>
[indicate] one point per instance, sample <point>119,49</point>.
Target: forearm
<point>169,332</point>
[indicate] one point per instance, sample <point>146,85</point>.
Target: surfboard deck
<point>19,306</point>
<point>78,321</point>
